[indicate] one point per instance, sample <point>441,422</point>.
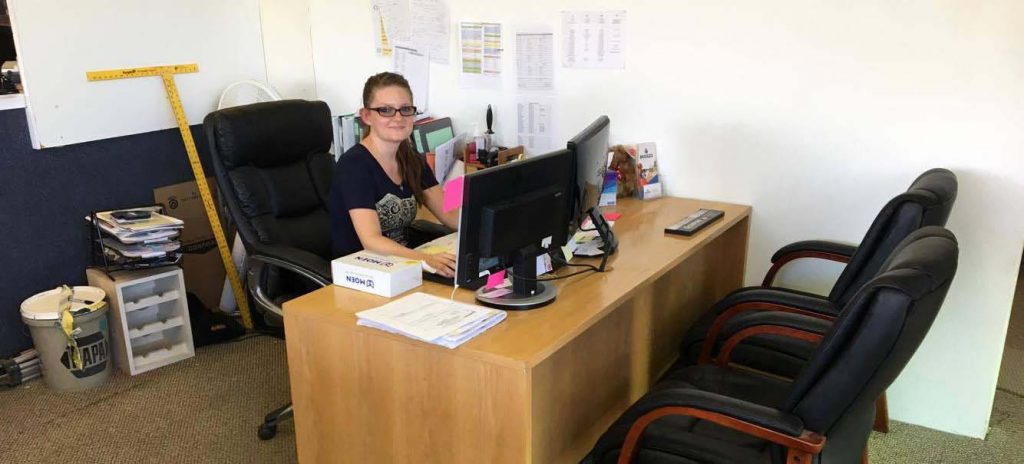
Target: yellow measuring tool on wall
<point>167,73</point>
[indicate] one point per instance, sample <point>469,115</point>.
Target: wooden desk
<point>539,387</point>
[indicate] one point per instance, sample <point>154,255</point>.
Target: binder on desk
<point>351,128</point>
<point>428,133</point>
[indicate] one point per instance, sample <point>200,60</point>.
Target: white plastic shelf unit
<point>148,317</point>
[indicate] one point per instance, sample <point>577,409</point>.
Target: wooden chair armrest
<point>769,277</point>
<point>716,327</point>
<point>801,449</point>
<point>726,352</point>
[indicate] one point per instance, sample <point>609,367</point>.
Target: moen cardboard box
<point>201,264</point>
<point>380,275</point>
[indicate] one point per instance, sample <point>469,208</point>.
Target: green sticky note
<point>567,252</point>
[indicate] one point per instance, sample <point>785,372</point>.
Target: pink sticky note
<point>611,216</point>
<point>453,194</point>
<point>498,292</point>
<point>495,279</point>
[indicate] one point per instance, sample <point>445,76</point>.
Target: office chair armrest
<point>820,249</point>
<point>430,228</point>
<point>725,353</point>
<point>752,419</point>
<point>762,299</point>
<point>295,260</point>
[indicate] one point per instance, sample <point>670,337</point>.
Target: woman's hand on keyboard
<point>442,263</point>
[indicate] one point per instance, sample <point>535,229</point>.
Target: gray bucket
<point>41,313</point>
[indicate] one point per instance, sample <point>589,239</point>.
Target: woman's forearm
<point>385,246</point>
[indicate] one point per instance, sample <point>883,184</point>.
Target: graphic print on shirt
<point>395,215</point>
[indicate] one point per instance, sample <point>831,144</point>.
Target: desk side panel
<point>362,397</point>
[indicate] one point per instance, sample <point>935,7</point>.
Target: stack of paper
<point>145,242</point>
<point>431,319</point>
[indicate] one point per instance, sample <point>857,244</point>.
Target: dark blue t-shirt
<point>360,182</point>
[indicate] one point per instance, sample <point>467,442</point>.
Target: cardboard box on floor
<point>201,264</point>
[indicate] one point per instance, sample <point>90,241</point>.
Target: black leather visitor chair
<point>273,170</point>
<point>927,202</point>
<point>716,413</point>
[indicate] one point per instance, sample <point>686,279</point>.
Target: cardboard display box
<point>201,264</point>
<point>380,275</point>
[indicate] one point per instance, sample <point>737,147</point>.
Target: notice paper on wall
<point>593,39</point>
<point>535,61</point>
<point>430,27</point>
<point>535,123</point>
<point>413,63</point>
<point>481,55</point>
<point>390,24</point>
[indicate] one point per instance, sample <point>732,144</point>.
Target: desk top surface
<point>527,337</point>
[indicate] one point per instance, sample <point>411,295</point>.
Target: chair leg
<point>268,429</point>
<point>881,414</point>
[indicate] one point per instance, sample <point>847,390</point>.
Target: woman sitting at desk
<point>380,182</point>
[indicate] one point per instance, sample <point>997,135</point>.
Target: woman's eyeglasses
<point>389,112</point>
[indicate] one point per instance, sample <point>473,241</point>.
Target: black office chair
<point>720,414</point>
<point>273,172</point>
<point>927,202</point>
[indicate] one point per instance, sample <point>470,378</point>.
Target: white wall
<point>288,47</point>
<point>59,41</point>
<point>815,113</point>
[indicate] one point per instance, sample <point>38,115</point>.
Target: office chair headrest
<point>921,263</point>
<point>935,187</point>
<point>270,134</point>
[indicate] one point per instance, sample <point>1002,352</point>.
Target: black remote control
<point>695,222</point>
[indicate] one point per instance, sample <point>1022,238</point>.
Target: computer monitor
<point>590,149</point>
<point>510,215</point>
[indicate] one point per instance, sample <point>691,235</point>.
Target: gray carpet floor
<point>206,410</point>
<point>202,410</point>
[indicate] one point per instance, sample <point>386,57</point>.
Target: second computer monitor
<point>590,149</point>
<point>510,215</point>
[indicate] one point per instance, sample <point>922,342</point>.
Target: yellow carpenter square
<point>126,73</point>
<point>167,74</point>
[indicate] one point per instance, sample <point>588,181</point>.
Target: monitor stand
<point>604,230</point>
<point>527,292</point>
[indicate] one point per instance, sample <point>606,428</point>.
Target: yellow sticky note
<point>567,252</point>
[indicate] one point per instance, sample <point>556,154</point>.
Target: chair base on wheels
<point>268,428</point>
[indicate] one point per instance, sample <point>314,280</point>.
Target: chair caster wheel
<point>267,431</point>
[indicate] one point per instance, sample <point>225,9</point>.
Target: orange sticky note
<point>495,279</point>
<point>453,194</point>
<point>611,216</point>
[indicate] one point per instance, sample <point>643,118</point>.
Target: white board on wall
<point>59,41</point>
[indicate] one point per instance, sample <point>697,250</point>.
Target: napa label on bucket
<point>93,348</point>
